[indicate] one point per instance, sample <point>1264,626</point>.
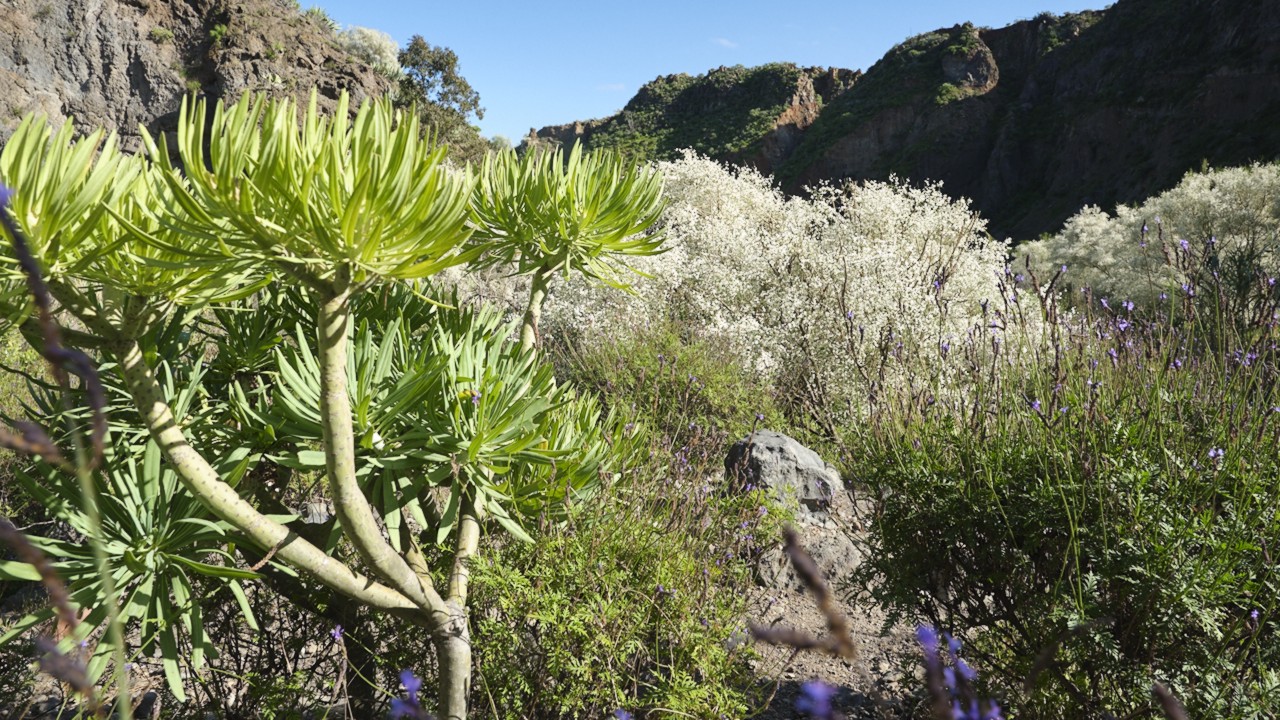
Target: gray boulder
<point>797,476</point>
<point>833,551</point>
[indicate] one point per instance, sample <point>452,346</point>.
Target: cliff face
<point>1096,108</point>
<point>122,63</point>
<point>1031,121</point>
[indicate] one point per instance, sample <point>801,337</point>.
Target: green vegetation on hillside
<point>909,74</point>
<point>726,112</point>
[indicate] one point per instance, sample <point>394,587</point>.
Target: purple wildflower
<point>1216,453</point>
<point>1253,615</point>
<point>1035,405</point>
<point>410,707</point>
<point>815,699</point>
<point>1184,244</point>
<point>621,714</point>
<point>336,632</point>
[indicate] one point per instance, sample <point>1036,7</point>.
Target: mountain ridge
<point>1031,121</point>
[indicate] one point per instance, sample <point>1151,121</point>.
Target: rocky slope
<point>1031,121</point>
<point>122,63</point>
<point>754,116</point>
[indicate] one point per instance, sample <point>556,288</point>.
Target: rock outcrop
<point>812,490</point>
<point>753,116</point>
<point>1055,113</point>
<point>125,63</point>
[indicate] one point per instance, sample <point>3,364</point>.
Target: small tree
<point>388,395</point>
<point>444,100</point>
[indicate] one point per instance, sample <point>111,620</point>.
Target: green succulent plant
<point>160,543</point>
<point>545,213</point>
<point>279,262</point>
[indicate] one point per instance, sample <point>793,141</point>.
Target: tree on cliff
<point>445,100</point>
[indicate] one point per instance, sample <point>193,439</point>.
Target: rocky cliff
<point>125,63</point>
<point>1031,121</point>
<point>1055,113</point>
<point>754,116</point>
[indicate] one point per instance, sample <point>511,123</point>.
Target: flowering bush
<point>1219,225</point>
<point>374,47</point>
<point>1103,524</point>
<point>838,297</point>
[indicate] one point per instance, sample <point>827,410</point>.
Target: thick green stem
<point>533,312</point>
<point>468,544</point>
<point>203,481</point>
<point>333,319</point>
<point>453,653</point>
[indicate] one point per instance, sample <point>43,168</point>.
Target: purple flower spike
<point>815,699</point>
<point>928,638</point>
<point>401,708</point>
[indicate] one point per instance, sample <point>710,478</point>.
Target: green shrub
<point>160,34</point>
<point>947,94</point>
<point>1116,506</point>
<point>637,603</point>
<point>682,385</point>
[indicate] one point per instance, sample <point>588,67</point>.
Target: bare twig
<point>839,641</point>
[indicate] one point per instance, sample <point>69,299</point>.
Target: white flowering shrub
<point>841,298</point>
<point>1221,221</point>
<point>374,47</point>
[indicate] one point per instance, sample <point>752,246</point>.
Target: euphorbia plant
<point>544,213</point>
<point>347,217</point>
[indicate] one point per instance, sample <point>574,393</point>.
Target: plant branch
<point>468,544</point>
<point>533,311</point>
<point>203,481</point>
<point>333,318</point>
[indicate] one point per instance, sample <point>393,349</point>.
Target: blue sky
<point>545,62</point>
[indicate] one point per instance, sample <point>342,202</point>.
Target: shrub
<point>837,298</point>
<point>1103,523</point>
<point>318,15</point>
<point>160,34</point>
<point>1219,225</point>
<point>373,47</point>
<point>635,603</point>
